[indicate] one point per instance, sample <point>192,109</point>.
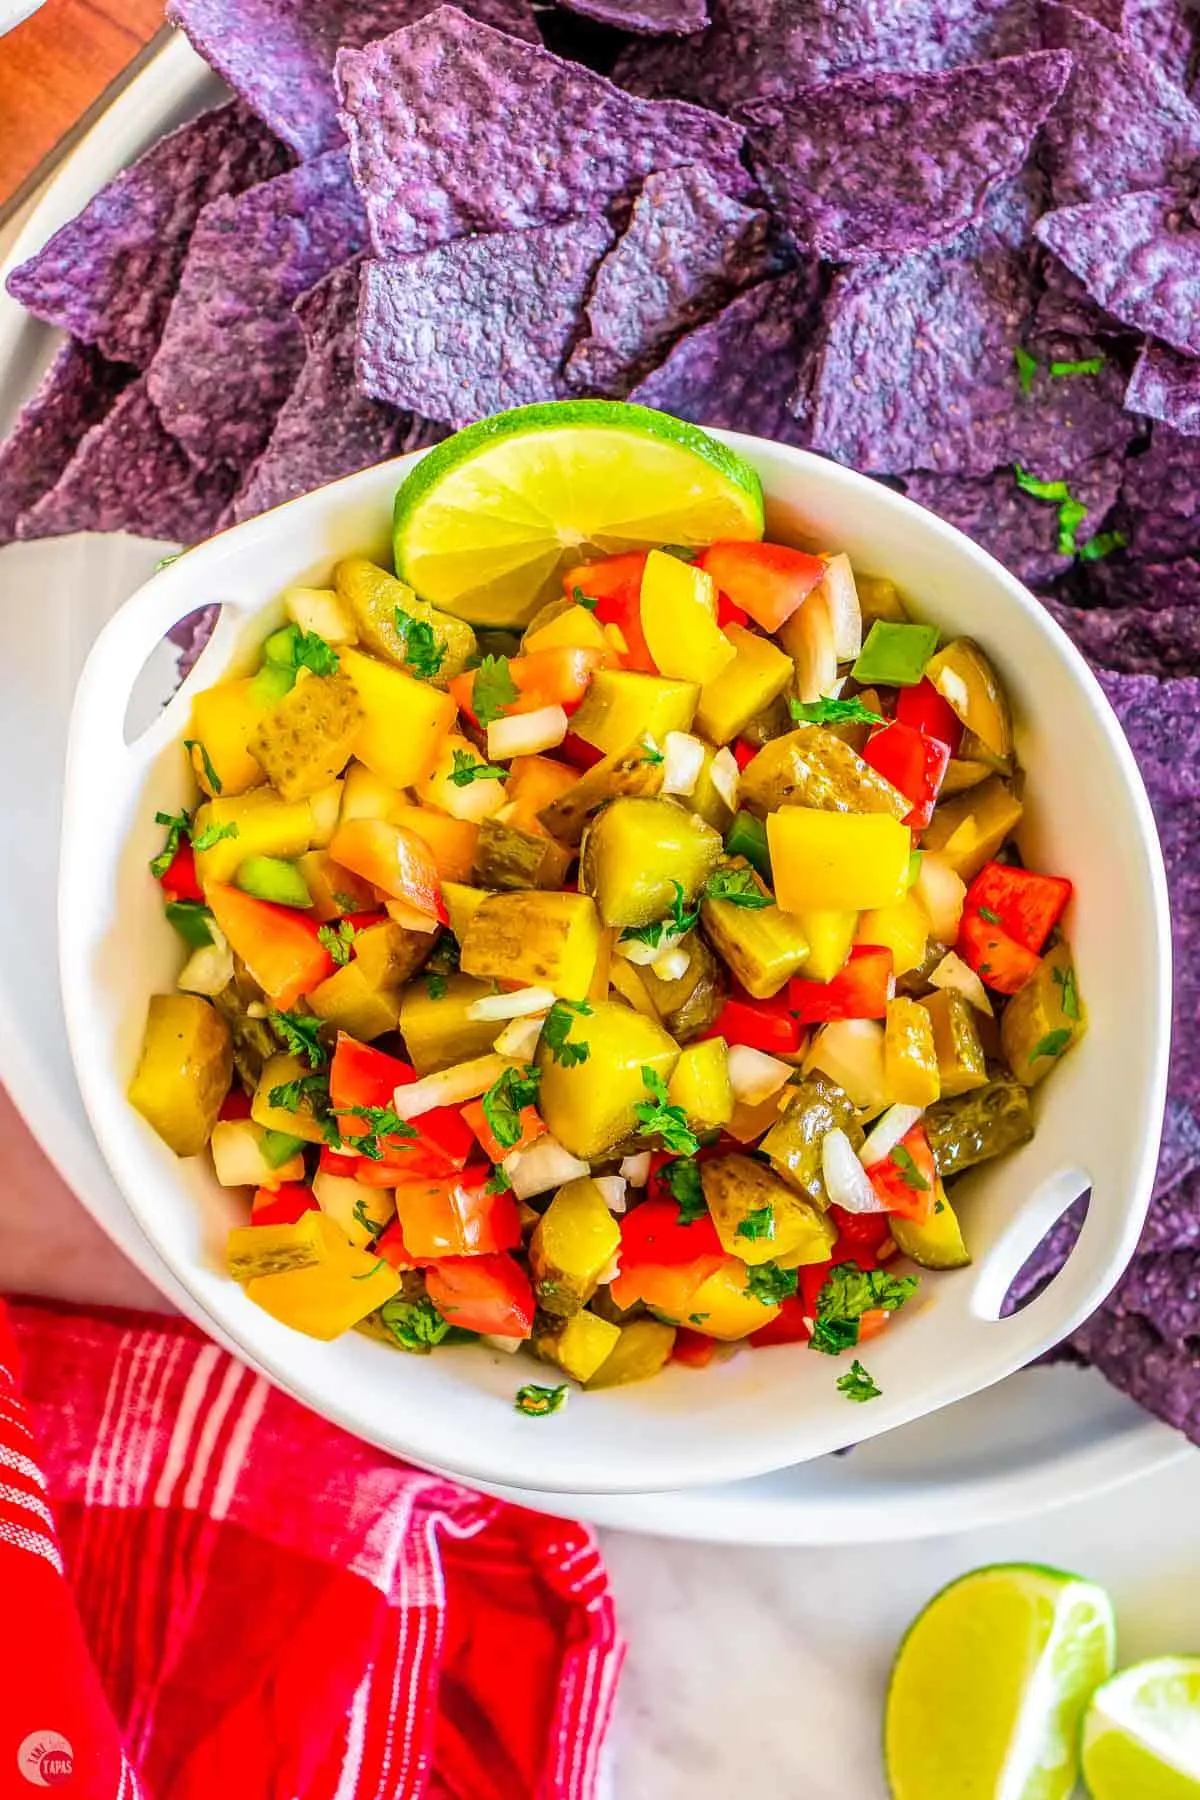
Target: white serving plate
<point>1041,1438</point>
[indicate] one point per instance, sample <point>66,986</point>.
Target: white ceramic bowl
<point>1098,1118</point>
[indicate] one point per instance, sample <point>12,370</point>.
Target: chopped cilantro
<point>373,1270</point>
<point>372,1227</point>
<point>1064,980</point>
<point>582,599</point>
<point>679,921</point>
<point>738,886</point>
<point>313,653</point>
<point>212,834</point>
<point>758,1224</point>
<point>658,1118</point>
<point>299,1033</point>
<point>1103,544</point>
<point>1040,490</point>
<point>1088,365</point>
<point>416,1325</point>
<point>210,774</point>
<point>1071,515</point>
<point>698,1318</point>
<point>770,1284</point>
<point>191,919</point>
<point>682,1177</point>
<point>494,689</point>
<point>993,918</point>
<point>338,940</point>
<point>1053,1044</point>
<point>178,826</point>
<point>651,753</point>
<point>504,1102</point>
<point>310,1092</point>
<point>848,1293</point>
<point>857,1384</point>
<point>538,1402</point>
<point>422,652</point>
<point>497,1183</point>
<point>164,562</point>
<point>833,712</point>
<point>381,1122</point>
<point>435,983</point>
<point>467,769</point>
<point>1071,512</point>
<point>1026,368</point>
<point>910,1175</point>
<point>557,1028</point>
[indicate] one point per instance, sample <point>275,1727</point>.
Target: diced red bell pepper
<point>543,678</point>
<point>390,1245</point>
<point>652,1234</point>
<point>861,989</point>
<point>282,1205</point>
<point>913,763</point>
<point>789,1327</point>
<point>178,880</point>
<point>668,1289</point>
<point>1025,905</point>
<point>455,1218</point>
<point>768,581</point>
<point>813,1276</point>
<point>859,1234</point>
<point>759,1024</point>
<point>397,862</point>
<point>490,1294</point>
<point>744,754</point>
<point>693,1349</point>
<point>578,752</point>
<point>616,586</point>
<point>995,957</point>
<point>360,1075</point>
<point>729,614</point>
<point>236,1104</point>
<point>923,708</point>
<point>279,946</point>
<point>530,1120</point>
<point>907,1180</point>
<point>332,1162</point>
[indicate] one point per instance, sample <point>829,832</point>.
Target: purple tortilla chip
<point>109,274</point>
<point>233,348</point>
<point>129,475</point>
<point>1166,386</point>
<point>686,251</point>
<point>878,164</point>
<point>1139,256</point>
<point>1132,640</point>
<point>1160,30</point>
<point>1064,305</point>
<point>1117,581</point>
<point>681,16</point>
<point>755,49</point>
<point>325,428</point>
<point>1121,125</point>
<point>192,634</point>
<point>737,371</point>
<point>1161,719</point>
<point>455,129</point>
<point>916,370</point>
<point>480,325</point>
<point>1048,1259</point>
<point>279,54</point>
<point>1159,497</point>
<point>1133,1355</point>
<point>1020,532</point>
<point>76,392</point>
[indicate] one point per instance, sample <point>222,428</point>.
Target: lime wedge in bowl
<point>487,521</point>
<point>1141,1737</point>
<point>990,1684</point>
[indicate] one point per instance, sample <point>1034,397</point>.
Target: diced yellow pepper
<point>837,861</point>
<point>452,841</point>
<point>329,1295</point>
<point>462,903</point>
<point>263,825</point>
<point>360,1211</point>
<point>910,1064</point>
<point>334,890</point>
<point>366,795</point>
<point>700,1083</point>
<point>901,928</point>
<point>679,620</point>
<point>578,1346</point>
<point>723,1306</point>
<point>575,629</point>
<point>622,708</point>
<point>478,800</point>
<point>758,674</point>
<point>224,718</point>
<point>405,720</point>
<point>830,937</point>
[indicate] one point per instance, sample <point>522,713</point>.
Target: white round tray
<point>1042,1438</point>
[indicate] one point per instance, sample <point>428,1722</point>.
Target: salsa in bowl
<point>628,955</point>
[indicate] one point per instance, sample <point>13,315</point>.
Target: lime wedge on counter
<point>1141,1737</point>
<point>486,523</point>
<point>989,1687</point>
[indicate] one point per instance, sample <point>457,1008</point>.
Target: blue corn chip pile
<point>952,243</point>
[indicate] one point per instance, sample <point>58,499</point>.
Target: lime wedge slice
<point>1141,1737</point>
<point>487,521</point>
<point>989,1687</point>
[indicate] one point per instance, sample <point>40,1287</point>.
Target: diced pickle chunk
<point>977,1126</point>
<point>793,1144</point>
<point>184,1071</point>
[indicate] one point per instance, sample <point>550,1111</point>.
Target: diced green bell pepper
<point>895,655</point>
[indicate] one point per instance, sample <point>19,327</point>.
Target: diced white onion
<point>238,1161</point>
<point>635,951</point>
<point>517,1005</point>
<point>526,734</point>
<point>546,1164</point>
<point>509,1345</point>
<point>953,972</point>
<point>256,1010</point>
<point>672,964</point>
<point>813,647</point>
<point>449,1087</point>
<point>940,893</point>
<point>519,1040</point>
<point>845,614</point>
<point>208,970</point>
<point>724,774</point>
<point>847,1182</point>
<point>754,1076</point>
<point>610,1272</point>
<point>683,759</point>
<point>884,1137</point>
<point>636,1169</point>
<point>850,1052</point>
<point>613,1189</point>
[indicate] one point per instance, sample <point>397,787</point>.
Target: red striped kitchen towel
<point>256,1606</point>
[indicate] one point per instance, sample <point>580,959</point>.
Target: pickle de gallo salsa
<point>625,989</point>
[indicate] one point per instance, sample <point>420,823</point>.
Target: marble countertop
<point>749,1670</point>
